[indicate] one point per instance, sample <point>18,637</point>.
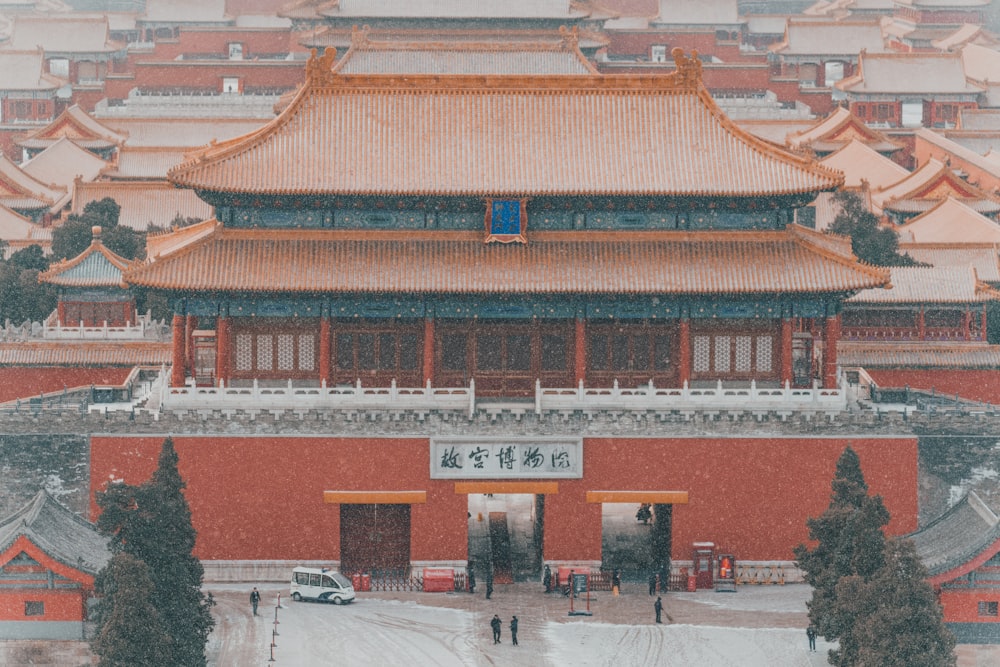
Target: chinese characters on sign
<point>506,458</point>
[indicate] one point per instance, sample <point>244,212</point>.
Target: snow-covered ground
<point>757,627</point>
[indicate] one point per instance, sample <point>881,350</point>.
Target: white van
<point>322,585</point>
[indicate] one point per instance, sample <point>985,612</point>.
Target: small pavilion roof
<point>482,135</point>
<point>894,73</point>
<point>491,55</point>
<point>950,220</point>
<point>19,190</point>
<point>830,38</point>
<point>959,541</point>
<point>79,127</point>
<point>62,33</point>
<point>924,188</point>
<point>920,355</point>
<point>862,164</point>
<point>980,256</point>
<point>58,533</point>
<point>63,163</point>
<point>143,203</point>
<point>930,285</point>
<point>795,260</point>
<point>96,266</point>
<point>837,130</point>
<point>25,70</point>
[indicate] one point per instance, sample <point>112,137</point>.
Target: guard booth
<point>703,557</point>
<point>725,581</point>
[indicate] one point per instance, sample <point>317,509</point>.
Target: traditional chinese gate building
<point>484,248</point>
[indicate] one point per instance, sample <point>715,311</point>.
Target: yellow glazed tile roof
<point>793,260</point>
<point>502,135</point>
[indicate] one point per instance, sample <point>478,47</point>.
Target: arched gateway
<point>474,285</point>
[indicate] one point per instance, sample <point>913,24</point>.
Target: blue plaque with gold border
<point>506,220</point>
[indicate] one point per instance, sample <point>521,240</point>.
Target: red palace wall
<point>59,605</point>
<point>963,606</point>
<point>262,497</point>
<point>24,381</point>
<point>971,385</point>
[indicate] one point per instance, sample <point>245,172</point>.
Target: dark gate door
<point>374,538</point>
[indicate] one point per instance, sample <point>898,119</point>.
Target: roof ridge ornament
<point>360,37</point>
<point>570,37</point>
<point>319,68</point>
<point>688,68</point>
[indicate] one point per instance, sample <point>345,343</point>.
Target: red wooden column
<point>921,325</point>
<point>177,356</point>
<point>428,350</point>
<point>222,350</point>
<point>830,353</point>
<point>190,324</point>
<point>684,351</point>
<point>982,329</point>
<point>786,350</point>
<point>324,349</point>
<point>580,351</point>
<point>967,325</point>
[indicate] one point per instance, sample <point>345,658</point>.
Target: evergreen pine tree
<point>130,628</point>
<point>898,621</point>
<point>849,540</point>
<point>153,523</point>
<point>870,241</point>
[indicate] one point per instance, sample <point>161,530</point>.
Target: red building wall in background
<point>20,381</point>
<point>972,385</point>
<point>963,606</point>
<point>65,605</point>
<point>262,497</point>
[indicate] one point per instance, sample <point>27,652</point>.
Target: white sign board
<point>506,458</point>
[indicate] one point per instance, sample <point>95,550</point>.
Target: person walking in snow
<point>652,583</point>
<point>658,608</point>
<point>547,579</point>
<point>472,579</point>
<point>811,636</point>
<point>513,630</point>
<point>489,583</point>
<point>254,599</point>
<point>496,623</point>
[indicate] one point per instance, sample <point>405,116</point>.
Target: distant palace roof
<point>793,260</point>
<point>860,163</point>
<point>959,541</point>
<point>837,130</point>
<point>929,285</point>
<point>896,73</point>
<point>926,187</point>
<point>79,127</point>
<point>502,135</point>
<point>950,220</point>
<point>830,38</point>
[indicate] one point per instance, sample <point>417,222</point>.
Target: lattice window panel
<point>244,352</point>
<point>307,352</point>
<point>723,349</point>
<point>701,361</point>
<point>286,352</point>
<point>744,354</point>
<point>265,353</point>
<point>764,347</point>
